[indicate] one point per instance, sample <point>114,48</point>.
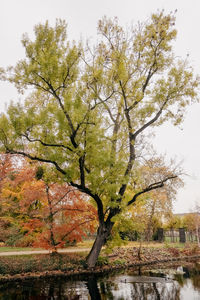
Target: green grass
<point>89,243</point>
<point>85,244</point>
<point>157,245</point>
<point>17,249</point>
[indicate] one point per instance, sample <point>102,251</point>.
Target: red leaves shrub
<point>174,251</point>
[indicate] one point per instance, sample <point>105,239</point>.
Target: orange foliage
<point>6,166</point>
<point>54,214</point>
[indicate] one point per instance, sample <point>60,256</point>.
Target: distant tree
<point>148,213</point>
<point>191,222</point>
<point>158,204</point>
<point>88,108</point>
<point>8,165</point>
<point>174,222</point>
<point>52,214</point>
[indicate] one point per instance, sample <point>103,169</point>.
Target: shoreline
<point>7,278</point>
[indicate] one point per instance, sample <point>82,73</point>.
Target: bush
<point>25,241</point>
<point>120,262</point>
<point>191,249</point>
<point>13,239</point>
<point>129,235</point>
<point>174,251</point>
<point>102,261</point>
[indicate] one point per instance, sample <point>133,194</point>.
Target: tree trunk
<point>148,231</point>
<point>149,224</point>
<point>197,234</point>
<point>139,250</point>
<point>103,234</point>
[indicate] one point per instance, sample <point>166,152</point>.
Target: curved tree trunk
<point>103,234</point>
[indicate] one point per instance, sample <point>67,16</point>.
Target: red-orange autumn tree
<point>8,164</point>
<point>52,214</point>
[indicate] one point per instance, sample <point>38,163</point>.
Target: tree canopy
<point>87,108</point>
<point>37,210</point>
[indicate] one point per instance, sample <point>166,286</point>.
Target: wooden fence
<point>180,235</point>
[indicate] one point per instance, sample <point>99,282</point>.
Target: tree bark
<point>103,234</point>
<point>149,224</point>
<point>197,234</point>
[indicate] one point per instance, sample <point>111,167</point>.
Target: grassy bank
<point>74,263</point>
<point>17,249</point>
<point>84,244</point>
<point>88,244</point>
<point>23,264</point>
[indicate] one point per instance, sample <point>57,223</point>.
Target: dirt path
<point>68,250</point>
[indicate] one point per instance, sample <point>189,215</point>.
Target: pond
<point>170,284</point>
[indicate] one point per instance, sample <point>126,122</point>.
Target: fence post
<point>182,238</point>
<point>160,235</point>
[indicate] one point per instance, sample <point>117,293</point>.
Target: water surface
<point>170,284</point>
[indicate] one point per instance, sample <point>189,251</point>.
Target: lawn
<point>17,249</point>
<point>74,263</point>
<point>88,244</point>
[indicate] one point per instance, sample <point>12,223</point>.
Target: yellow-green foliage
<point>88,106</point>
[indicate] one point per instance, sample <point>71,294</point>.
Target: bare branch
<point>37,159</point>
<point>151,187</point>
<point>105,104</point>
<point>46,144</point>
<point>78,225</point>
<point>153,120</point>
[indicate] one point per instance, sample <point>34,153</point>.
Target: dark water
<point>169,284</point>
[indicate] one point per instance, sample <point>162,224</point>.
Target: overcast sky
<point>18,17</point>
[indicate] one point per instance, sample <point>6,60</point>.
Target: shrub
<point>102,260</point>
<point>191,249</point>
<point>120,262</point>
<point>174,251</point>
<point>13,239</point>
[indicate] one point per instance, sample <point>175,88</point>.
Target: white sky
<point>17,17</point>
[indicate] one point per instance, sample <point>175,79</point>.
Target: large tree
<point>87,108</point>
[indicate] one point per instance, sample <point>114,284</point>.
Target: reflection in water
<point>110,287</point>
<point>93,288</point>
<point>123,287</point>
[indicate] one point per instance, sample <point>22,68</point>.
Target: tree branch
<point>45,144</point>
<point>151,187</point>
<point>105,104</point>
<point>152,120</point>
<point>131,141</point>
<point>37,159</point>
<point>82,170</point>
<point>78,225</point>
<point>94,196</point>
<point>53,92</point>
